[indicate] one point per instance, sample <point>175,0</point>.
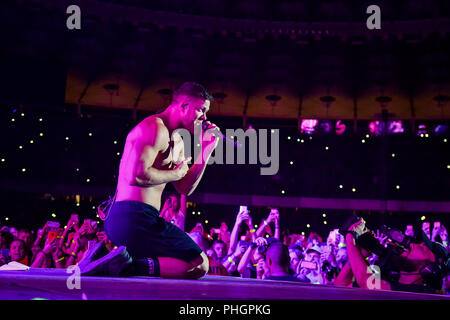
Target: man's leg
<point>179,269</point>
<point>168,267</point>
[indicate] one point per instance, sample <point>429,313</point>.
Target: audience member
<point>174,210</point>
<point>295,255</point>
<point>26,236</point>
<point>18,253</point>
<point>310,269</point>
<point>216,260</point>
<point>277,263</point>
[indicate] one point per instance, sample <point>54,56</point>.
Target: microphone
<point>217,133</point>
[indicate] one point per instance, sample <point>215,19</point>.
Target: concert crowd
<point>246,250</point>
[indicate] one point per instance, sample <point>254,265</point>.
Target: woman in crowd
<point>174,210</point>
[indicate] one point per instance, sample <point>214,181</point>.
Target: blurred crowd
<point>52,246</point>
<point>247,250</point>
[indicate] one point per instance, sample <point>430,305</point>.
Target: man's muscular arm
<point>359,265</point>
<point>190,181</point>
<point>153,140</point>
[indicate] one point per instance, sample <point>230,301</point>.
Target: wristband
<point>59,260</point>
<point>355,235</point>
<point>342,245</point>
<point>265,223</point>
<point>231,260</point>
<point>253,230</point>
<point>73,254</point>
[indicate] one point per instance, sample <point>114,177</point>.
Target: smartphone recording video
<point>309,265</point>
<point>52,235</point>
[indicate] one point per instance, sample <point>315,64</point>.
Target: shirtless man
<point>154,156</point>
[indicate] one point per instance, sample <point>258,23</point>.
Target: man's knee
<point>205,263</point>
<point>201,264</point>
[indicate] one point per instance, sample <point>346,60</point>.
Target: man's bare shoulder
<point>152,129</point>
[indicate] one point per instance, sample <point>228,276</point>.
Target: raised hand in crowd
<point>443,234</point>
<point>42,235</point>
<point>426,229</point>
<point>49,247</point>
<point>276,219</point>
<point>242,216</point>
<point>198,228</point>
<point>72,237</point>
<point>274,216</point>
<point>75,250</point>
<point>43,258</point>
<point>72,223</point>
<point>436,230</point>
<point>409,231</point>
<point>101,236</point>
<point>233,260</point>
<point>58,256</point>
<point>251,255</point>
<point>381,237</point>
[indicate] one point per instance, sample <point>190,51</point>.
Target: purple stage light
<point>340,127</point>
<point>308,126</point>
<point>440,129</point>
<point>422,130</point>
<point>396,127</point>
<point>325,126</point>
<point>376,127</point>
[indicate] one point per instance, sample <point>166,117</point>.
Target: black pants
<point>145,234</point>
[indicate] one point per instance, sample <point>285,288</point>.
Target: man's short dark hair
<point>193,89</point>
<point>279,254</point>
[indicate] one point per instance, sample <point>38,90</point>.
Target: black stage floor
<point>52,284</point>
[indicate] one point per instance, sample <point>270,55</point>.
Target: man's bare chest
<point>171,156</point>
